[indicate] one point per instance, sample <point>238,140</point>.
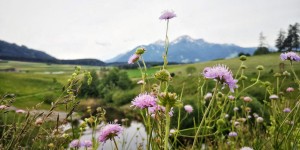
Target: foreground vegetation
<point>242,103</point>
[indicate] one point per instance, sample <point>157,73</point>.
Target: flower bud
<point>260,67</point>
<point>244,67</point>
<point>243,58</point>
<point>243,77</point>
<point>140,51</point>
<point>277,75</point>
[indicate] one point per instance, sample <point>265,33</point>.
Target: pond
<point>133,136</point>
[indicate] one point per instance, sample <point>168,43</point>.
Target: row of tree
<point>289,42</point>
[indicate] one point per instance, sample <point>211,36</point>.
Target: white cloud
<point>103,29</point>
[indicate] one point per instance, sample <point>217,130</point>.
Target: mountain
<point>185,49</point>
<point>11,51</point>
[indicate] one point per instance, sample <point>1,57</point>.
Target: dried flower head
<point>222,74</point>
<point>109,131</point>
<point>166,15</point>
<point>38,121</point>
<point>157,109</point>
<point>259,119</point>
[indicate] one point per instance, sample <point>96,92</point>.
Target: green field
<point>33,82</point>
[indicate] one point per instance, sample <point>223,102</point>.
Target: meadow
<point>241,103</point>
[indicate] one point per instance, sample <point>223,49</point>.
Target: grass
<point>35,81</point>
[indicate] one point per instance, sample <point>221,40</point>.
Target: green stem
<point>204,117</point>
<point>167,127</point>
<point>166,47</point>
<point>115,143</point>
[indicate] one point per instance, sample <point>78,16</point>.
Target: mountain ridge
<point>186,49</point>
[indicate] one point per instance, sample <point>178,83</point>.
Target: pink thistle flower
<point>290,89</point>
<point>87,143</point>
<point>166,15</point>
<point>144,101</point>
<point>292,56</point>
<point>20,111</point>
<point>134,58</point>
<point>109,131</point>
<point>188,108</point>
<point>3,107</point>
<point>222,74</point>
<point>231,97</point>
<point>247,99</point>
<point>286,110</point>
<point>75,144</point>
<point>208,96</point>
<point>273,96</point>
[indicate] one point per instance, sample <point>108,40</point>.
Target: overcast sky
<point>102,29</point>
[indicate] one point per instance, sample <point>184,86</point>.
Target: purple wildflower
<point>166,15</point>
<point>3,107</point>
<point>273,96</point>
<point>75,144</point>
<point>20,111</point>
<point>290,89</point>
<point>290,56</point>
<point>188,108</point>
<point>246,148</point>
<point>109,131</point>
<point>134,58</point>
<point>232,134</point>
<point>231,97</point>
<point>287,110</point>
<point>87,143</point>
<point>144,101</point>
<point>222,74</point>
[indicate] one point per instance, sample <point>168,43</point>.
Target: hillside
<point>185,49</point>
<point>11,51</point>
